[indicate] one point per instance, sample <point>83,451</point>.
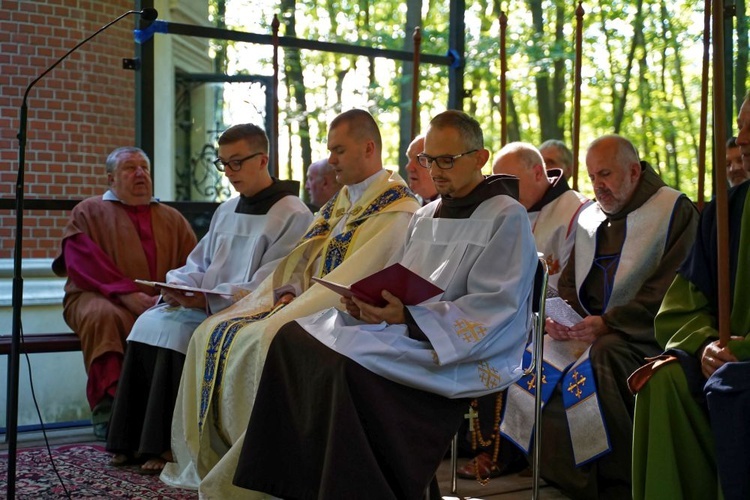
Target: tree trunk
<point>610,56</point>
<point>637,40</point>
<point>740,69</point>
<point>514,130</point>
<point>679,80</point>
<point>644,94</point>
<point>672,163</point>
<point>340,75</point>
<point>289,135</point>
<point>558,79</point>
<point>296,84</point>
<point>220,61</point>
<point>547,118</point>
<point>364,28</point>
<point>413,19</point>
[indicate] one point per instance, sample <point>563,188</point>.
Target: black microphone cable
<point>41,420</point>
<point>147,14</point>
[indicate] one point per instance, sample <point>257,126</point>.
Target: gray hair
<point>567,154</point>
<point>113,160</point>
<point>468,128</point>
<point>326,170</point>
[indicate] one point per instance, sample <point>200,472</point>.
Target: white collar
<point>111,196</point>
<point>355,191</point>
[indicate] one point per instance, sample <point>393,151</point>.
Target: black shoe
<point>100,417</point>
<point>101,430</point>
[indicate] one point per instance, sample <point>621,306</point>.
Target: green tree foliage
<point>641,72</point>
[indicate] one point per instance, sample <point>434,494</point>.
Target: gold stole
<point>317,241</point>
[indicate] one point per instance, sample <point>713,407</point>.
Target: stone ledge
<point>40,285</point>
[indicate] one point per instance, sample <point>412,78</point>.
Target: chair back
<point>541,277</point>
<point>539,297</point>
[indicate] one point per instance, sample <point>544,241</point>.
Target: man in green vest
<point>691,434</point>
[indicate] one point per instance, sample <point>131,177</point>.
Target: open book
<point>187,290</point>
<point>409,287</point>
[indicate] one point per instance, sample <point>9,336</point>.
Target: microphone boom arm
<point>148,14</point>
<point>77,46</point>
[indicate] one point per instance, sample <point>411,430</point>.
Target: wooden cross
<point>472,415</point>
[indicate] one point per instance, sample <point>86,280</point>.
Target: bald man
<point>628,247</point>
<point>552,206</point>
<point>419,177</point>
<point>321,183</point>
<point>553,210</point>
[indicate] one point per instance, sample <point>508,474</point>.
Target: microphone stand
<point>17,295</point>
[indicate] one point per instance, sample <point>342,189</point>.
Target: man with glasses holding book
<point>248,236</point>
<point>352,235</point>
<point>368,400</point>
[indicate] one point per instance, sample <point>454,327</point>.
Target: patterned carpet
<point>86,472</point>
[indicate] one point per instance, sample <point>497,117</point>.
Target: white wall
<point>59,378</point>
<point>173,52</point>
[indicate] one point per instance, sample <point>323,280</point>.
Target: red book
<point>409,287</point>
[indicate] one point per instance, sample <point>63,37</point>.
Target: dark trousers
<point>141,419</point>
<point>325,427</point>
<point>728,397</point>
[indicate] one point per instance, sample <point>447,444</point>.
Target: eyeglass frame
<point>435,159</point>
<point>221,165</point>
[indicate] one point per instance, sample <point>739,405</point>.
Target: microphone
<point>147,14</point>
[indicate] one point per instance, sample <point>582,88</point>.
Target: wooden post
<point>577,93</point>
<point>503,82</point>
<point>722,209</point>
<point>417,38</point>
<point>704,106</point>
<point>275,119</point>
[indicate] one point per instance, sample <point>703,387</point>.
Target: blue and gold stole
<point>334,250</point>
<point>564,362</point>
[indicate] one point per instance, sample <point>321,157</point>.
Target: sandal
<point>155,465</point>
<point>152,467</point>
<point>481,466</point>
<point>124,459</point>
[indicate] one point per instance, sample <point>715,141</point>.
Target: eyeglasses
<point>444,162</point>
<point>234,165</point>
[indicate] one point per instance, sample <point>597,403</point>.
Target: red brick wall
<point>77,114</point>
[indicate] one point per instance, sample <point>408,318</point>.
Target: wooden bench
<point>43,342</point>
<point>198,213</point>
